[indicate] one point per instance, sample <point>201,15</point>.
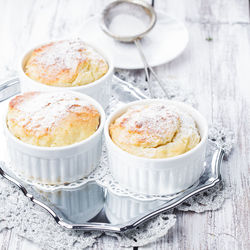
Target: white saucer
<point>165,42</point>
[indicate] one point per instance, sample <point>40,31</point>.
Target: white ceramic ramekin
<point>120,209</point>
<point>57,165</point>
<point>79,204</point>
<point>157,176</point>
<point>99,89</point>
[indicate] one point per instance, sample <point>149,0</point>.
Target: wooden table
<point>215,67</point>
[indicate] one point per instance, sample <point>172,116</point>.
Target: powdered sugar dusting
<point>64,56</point>
<point>43,110</point>
<point>154,120</point>
<point>155,124</point>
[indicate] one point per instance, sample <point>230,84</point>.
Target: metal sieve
<point>129,21</point>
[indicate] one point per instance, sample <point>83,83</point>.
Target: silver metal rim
<point>213,180</point>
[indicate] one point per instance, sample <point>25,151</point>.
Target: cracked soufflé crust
<point>66,63</point>
<point>51,119</point>
<point>155,131</point>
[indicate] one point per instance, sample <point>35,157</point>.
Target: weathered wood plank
<point>5,239</point>
<point>198,11</point>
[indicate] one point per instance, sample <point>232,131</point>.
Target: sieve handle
<point>148,69</point>
<point>146,66</point>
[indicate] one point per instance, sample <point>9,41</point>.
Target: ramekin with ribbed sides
<point>156,147</point>
<point>67,65</point>
<point>50,138</point>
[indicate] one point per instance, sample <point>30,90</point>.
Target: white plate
<point>165,42</point>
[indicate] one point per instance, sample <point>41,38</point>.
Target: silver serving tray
<point>94,207</point>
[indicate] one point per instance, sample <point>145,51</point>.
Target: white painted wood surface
<point>218,73</point>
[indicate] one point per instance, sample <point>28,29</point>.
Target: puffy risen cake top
<point>39,114</point>
<point>65,63</point>
<point>155,130</point>
<point>149,125</point>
